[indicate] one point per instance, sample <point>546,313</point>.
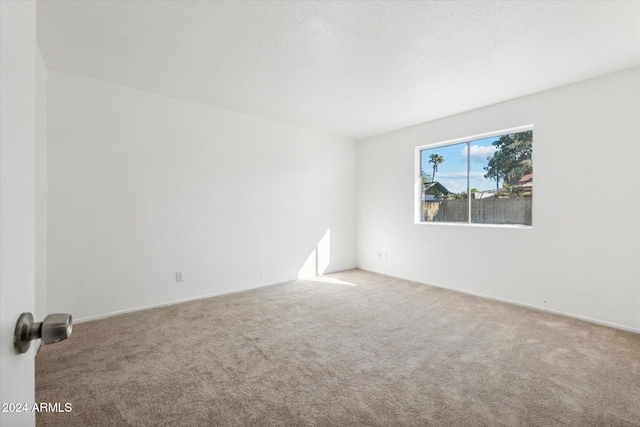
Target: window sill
<point>466,224</point>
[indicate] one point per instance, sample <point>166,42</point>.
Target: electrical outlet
<point>179,277</point>
<point>382,256</point>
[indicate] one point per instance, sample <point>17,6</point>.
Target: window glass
<point>485,180</point>
<point>444,183</point>
<point>504,179</point>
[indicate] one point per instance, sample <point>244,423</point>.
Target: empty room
<point>320,213</point>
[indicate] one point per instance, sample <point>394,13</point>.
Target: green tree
<point>436,159</point>
<point>426,177</point>
<point>512,158</point>
<point>513,191</point>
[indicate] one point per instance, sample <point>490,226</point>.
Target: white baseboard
<point>521,304</point>
<point>172,302</point>
<point>490,297</point>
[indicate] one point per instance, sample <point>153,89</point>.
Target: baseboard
<point>521,304</point>
<point>477,294</point>
<point>172,302</point>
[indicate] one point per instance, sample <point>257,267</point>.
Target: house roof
<point>435,185</point>
<point>527,177</point>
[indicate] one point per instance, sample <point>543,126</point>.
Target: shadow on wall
<point>318,260</point>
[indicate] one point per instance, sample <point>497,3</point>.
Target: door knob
<point>55,327</point>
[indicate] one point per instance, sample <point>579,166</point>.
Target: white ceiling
<point>352,68</point>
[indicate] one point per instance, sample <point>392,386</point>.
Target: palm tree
<point>436,159</point>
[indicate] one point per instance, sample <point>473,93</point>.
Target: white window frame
<point>417,197</point>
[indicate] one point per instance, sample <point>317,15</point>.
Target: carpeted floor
<point>353,349</point>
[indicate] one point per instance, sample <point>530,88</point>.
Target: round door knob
<point>55,327</point>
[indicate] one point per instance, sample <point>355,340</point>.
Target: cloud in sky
<point>452,175</point>
<point>479,153</point>
<point>451,185</point>
<point>460,175</point>
<point>476,174</point>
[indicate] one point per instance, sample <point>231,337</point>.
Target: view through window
<point>487,180</point>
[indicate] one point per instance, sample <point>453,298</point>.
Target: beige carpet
<point>377,351</point>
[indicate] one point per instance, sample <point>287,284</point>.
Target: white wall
<point>17,200</point>
<point>142,185</point>
<point>582,255</point>
<point>41,189</point>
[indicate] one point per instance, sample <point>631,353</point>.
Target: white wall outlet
<point>382,255</point>
<point>179,277</point>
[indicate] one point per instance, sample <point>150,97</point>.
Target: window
<point>484,179</point>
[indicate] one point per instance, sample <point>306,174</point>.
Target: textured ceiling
<point>356,68</point>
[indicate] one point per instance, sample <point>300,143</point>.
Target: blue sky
<point>452,173</point>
